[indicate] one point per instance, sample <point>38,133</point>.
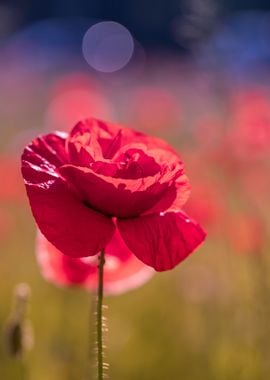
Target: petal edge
<point>161,240</point>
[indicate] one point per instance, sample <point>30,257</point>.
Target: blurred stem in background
<point>19,334</point>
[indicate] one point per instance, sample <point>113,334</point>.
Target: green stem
<point>99,315</point>
<point>23,370</point>
<point>92,342</point>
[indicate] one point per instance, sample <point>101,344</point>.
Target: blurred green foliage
<point>207,319</point>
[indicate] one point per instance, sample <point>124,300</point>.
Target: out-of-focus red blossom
<point>11,188</point>
<point>256,184</point>
<point>245,233</point>
<point>250,133</point>
<point>7,224</point>
<point>208,132</point>
<point>153,108</point>
<point>101,177</point>
<point>207,205</point>
<point>122,270</point>
<point>72,97</point>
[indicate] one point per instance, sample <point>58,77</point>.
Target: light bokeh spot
<point>107,46</point>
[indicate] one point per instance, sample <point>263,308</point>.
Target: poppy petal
<point>67,223</point>
<point>41,158</point>
<point>119,197</point>
<point>112,137</point>
<point>50,147</point>
<point>174,197</point>
<point>122,270</point>
<point>161,240</point>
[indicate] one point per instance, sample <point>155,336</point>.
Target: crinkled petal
<point>174,197</point>
<point>103,138</point>
<point>50,147</point>
<point>113,137</point>
<point>119,197</point>
<point>73,228</point>
<point>42,157</point>
<point>161,241</point>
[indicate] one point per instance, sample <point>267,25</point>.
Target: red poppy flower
<point>100,177</point>
<point>122,270</point>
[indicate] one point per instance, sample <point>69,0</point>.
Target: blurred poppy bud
<point>18,330</point>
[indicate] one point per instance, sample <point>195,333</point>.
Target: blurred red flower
<point>122,270</point>
<point>250,135</point>
<point>207,205</point>
<point>246,233</point>
<point>7,224</point>
<point>11,188</point>
<point>100,177</point>
<point>72,96</point>
<point>154,107</point>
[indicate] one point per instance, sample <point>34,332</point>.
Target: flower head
<point>102,178</point>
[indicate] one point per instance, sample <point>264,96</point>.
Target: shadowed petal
<point>61,269</point>
<point>119,197</point>
<point>66,222</point>
<point>122,270</point>
<point>174,197</point>
<point>162,240</point>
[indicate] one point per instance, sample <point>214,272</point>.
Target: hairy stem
<point>99,316</point>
